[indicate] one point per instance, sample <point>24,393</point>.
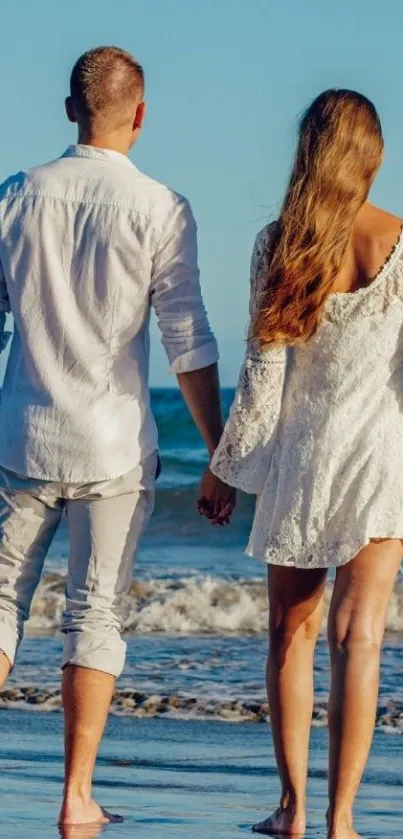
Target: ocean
<point>196,633</point>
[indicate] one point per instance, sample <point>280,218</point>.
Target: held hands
<point>217,500</point>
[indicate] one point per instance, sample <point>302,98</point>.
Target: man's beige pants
<point>105,522</point>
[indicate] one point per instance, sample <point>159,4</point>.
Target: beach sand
<point>174,778</point>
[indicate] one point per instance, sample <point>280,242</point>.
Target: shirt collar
<point>93,153</point>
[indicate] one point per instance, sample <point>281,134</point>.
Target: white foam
<point>189,605</point>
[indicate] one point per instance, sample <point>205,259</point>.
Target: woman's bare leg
<point>296,599</point>
<point>356,627</point>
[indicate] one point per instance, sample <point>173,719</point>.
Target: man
<point>87,245</point>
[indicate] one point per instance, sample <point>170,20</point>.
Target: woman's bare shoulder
<point>382,221</point>
<point>376,233</point>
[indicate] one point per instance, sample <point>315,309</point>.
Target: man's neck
<point>112,142</point>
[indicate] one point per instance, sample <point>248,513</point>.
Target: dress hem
<point>344,558</point>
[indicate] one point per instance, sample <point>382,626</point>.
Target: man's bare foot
<point>282,823</point>
<point>77,812</point>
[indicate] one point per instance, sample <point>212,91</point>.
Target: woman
<point>316,432</point>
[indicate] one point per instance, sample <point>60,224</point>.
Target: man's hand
<point>201,391</point>
<point>217,500</point>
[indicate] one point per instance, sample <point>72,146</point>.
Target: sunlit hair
<point>339,152</point>
<point>105,84</point>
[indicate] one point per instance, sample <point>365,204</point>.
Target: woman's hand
<point>217,500</point>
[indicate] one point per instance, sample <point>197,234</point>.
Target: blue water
<point>198,605</point>
<point>177,540</point>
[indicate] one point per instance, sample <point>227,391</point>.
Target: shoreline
<point>184,707</point>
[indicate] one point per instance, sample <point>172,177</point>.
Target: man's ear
<point>70,110</point>
<point>139,116</point>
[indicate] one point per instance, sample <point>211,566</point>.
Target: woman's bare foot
<point>282,823</point>
<point>348,833</point>
<point>84,831</point>
<point>81,812</point>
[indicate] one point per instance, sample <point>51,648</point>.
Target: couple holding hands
<point>88,245</point>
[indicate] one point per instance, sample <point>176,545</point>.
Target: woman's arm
<point>242,458</point>
<point>4,310</point>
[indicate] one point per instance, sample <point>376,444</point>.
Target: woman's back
<point>328,414</point>
<point>374,236</point>
<point>336,466</point>
<point>316,426</point>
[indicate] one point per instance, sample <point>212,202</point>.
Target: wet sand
<point>173,778</point>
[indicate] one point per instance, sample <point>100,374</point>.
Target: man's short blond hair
<point>105,85</point>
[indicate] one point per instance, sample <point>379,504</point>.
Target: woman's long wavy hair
<point>338,155</point>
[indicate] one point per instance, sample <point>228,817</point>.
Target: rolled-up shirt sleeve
<point>4,310</point>
<point>176,295</point>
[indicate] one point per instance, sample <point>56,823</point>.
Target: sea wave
<point>132,703</point>
<point>188,606</point>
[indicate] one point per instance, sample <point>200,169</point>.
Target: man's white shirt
<point>88,244</point>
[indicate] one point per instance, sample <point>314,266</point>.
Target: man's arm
<point>201,392</point>
<point>186,334</point>
<point>190,344</point>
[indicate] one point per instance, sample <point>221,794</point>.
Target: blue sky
<point>226,81</point>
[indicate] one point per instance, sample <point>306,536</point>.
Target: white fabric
<point>105,522</point>
<point>4,310</point>
<point>333,472</point>
<point>87,245</point>
<point>242,457</point>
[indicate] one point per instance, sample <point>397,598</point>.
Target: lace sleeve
<point>259,257</point>
<point>4,309</point>
<point>242,458</point>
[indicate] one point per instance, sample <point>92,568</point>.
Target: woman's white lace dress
<point>317,431</point>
